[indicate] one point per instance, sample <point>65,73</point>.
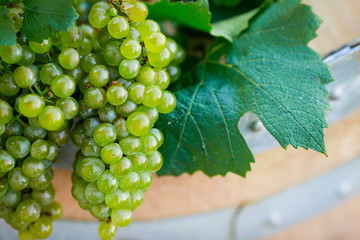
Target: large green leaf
<point>44,19</point>
<point>7,36</point>
<point>269,70</point>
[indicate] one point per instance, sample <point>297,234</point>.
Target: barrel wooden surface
<point>273,170</point>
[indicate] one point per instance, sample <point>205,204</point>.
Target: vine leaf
<point>269,70</point>
<point>197,15</point>
<point>7,36</point>
<point>44,19</point>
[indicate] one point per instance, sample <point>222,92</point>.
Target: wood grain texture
<point>342,222</point>
<point>273,171</point>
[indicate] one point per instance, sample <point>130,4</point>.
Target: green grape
<point>136,198</point>
<point>31,105</point>
<point>15,222</point>
<point>25,235</point>
<point>91,168</point>
<point>104,134</point>
<point>88,31</point>
<point>11,53</point>
<point>69,58</point>
<point>52,211</point>
<point>117,199</point>
<point>111,153</point>
<point>78,190</point>
<point>49,71</point>
<point>95,98</point>
<point>39,149</point>
<point>168,103</point>
<point>146,27</point>
<point>24,77</point>
<point>42,228</point>
<point>78,158</point>
<point>112,53</point>
<point>11,198</point>
<point>162,78</point>
<point>130,49</point>
<point>99,76</point>
<point>85,111</point>
<point>59,137</point>
<point>89,125</point>
<point>149,143</point>
<point>51,118</point>
<point>53,151</point>
<point>63,86</point>
<point>6,112</point>
<point>40,183</point>
<point>112,12</point>
<point>130,145</point>
<point>17,179</point>
<point>152,113</point>
<point>76,73</point>
<point>155,161</point>
<point>44,197</point>
<point>93,194</point>
<point>174,72</point>
<point>158,134</point>
<point>4,211</point>
<point>138,124</point>
<point>78,136</point>
<point>127,108</point>
<point>136,92</point>
<point>152,96</point>
<point>121,168</point>
<point>28,56</point>
<point>8,86</point>
<point>120,127</point>
<point>73,37</point>
<point>138,161</point>
<point>155,42</point>
<point>107,230</point>
<point>4,187</point>
<point>121,217</point>
<point>136,12</point>
<point>129,182</point>
<point>16,14</point>
<point>33,134</point>
<point>173,47</point>
<point>180,56</point>
<point>99,18</point>
<point>34,122</point>
<point>33,167</point>
<point>104,37</point>
<point>13,129</point>
<point>89,61</point>
<point>42,47</point>
<point>133,34</point>
<point>117,94</point>
<point>7,162</point>
<point>161,59</point>
<point>118,27</point>
<point>90,148</point>
<point>100,211</point>
<point>145,181</point>
<point>107,182</point>
<point>107,114</point>
<point>18,147</point>
<point>86,205</point>
<point>146,76</point>
<point>129,69</point>
<point>28,210</point>
<point>69,106</point>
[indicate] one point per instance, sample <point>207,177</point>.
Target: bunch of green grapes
<point>119,146</point>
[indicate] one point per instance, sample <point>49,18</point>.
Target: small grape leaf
<point>198,16</point>
<point>7,36</point>
<point>44,19</point>
<point>270,71</point>
<point>191,14</point>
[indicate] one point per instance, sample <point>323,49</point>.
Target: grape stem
<point>38,89</point>
<point>49,101</point>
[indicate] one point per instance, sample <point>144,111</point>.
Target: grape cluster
<point>111,76</point>
<point>119,146</point>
